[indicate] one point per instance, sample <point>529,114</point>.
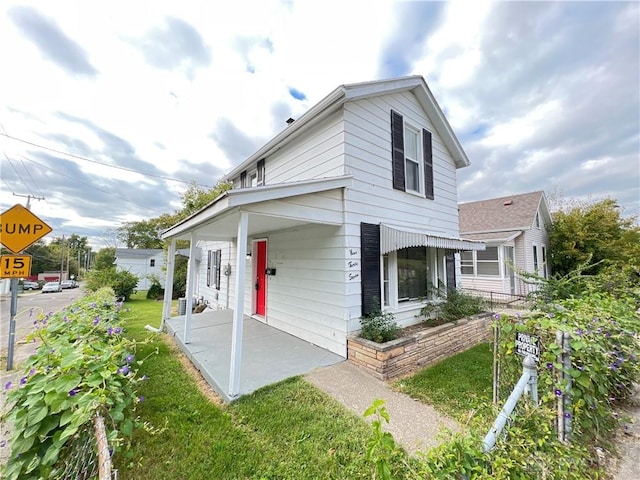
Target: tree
<point>195,198</point>
<point>105,259</point>
<point>145,233</point>
<point>593,233</point>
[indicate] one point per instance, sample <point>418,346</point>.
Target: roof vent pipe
<point>508,202</point>
<point>290,121</point>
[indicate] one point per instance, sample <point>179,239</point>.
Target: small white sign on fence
<point>527,344</point>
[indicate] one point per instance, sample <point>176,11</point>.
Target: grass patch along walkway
<point>457,386</point>
<point>287,430</point>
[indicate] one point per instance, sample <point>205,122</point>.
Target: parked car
<point>26,285</point>
<point>69,284</point>
<point>51,287</point>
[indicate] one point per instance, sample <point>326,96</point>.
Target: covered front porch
<point>269,355</point>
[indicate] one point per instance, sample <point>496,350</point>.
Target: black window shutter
<point>397,150</point>
<point>218,267</point>
<point>209,252</point>
<point>261,172</point>
<point>450,266</point>
<point>243,179</point>
<point>427,152</point>
<point>370,267</point>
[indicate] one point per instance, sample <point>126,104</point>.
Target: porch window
<point>466,263</point>
<point>482,262</point>
<point>545,272</point>
<point>214,261</point>
<point>487,261</point>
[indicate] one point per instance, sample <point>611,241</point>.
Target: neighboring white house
<point>351,209</point>
<point>515,231</point>
<point>143,262</point>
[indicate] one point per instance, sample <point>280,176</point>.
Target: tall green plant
<point>83,367</point>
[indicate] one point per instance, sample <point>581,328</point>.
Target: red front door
<point>261,277</point>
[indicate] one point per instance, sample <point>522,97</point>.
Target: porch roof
<point>219,219</point>
<point>493,237</point>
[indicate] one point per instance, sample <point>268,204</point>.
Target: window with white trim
<point>467,266</point>
<point>407,275</point>
<point>480,263</point>
<point>412,165</point>
<point>545,272</point>
<point>535,258</point>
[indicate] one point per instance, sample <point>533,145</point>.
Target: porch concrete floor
<point>269,355</point>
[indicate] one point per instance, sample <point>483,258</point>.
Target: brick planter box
<point>422,348</point>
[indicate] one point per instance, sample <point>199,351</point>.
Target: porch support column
<point>238,308</point>
<point>168,283</point>
<point>191,275</point>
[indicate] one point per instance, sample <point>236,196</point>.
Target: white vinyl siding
<point>368,158</point>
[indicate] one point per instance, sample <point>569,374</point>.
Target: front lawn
<point>457,386</point>
<point>287,430</point>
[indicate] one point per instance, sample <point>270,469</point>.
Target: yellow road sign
<point>20,228</point>
<point>15,266</point>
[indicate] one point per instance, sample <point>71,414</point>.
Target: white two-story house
<point>351,209</point>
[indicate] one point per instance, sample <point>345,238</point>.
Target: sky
<point>109,110</point>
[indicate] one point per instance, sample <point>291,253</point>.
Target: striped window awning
<point>394,238</point>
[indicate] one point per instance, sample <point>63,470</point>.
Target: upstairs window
<point>411,163</point>
<point>412,158</point>
<point>152,262</point>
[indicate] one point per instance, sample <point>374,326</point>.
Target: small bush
<point>155,291</point>
<point>379,327</point>
<point>122,282</point>
<point>457,305</point>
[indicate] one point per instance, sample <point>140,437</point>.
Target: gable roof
<point>356,91</point>
<point>504,214</point>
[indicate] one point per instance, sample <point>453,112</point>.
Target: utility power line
<point>90,160</point>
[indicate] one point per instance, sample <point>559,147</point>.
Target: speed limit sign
<point>15,266</point>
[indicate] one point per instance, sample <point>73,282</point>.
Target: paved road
<point>29,305</point>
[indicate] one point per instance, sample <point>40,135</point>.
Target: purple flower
<point>124,370</point>
<point>23,380</point>
<point>558,392</point>
<point>497,316</point>
<point>96,320</point>
<point>8,385</point>
<point>141,398</point>
<point>30,312</point>
<point>73,392</point>
<point>129,358</point>
<point>567,415</point>
<point>118,330</point>
<point>550,315</point>
<point>579,332</point>
<point>517,314</point>
<point>549,365</point>
<point>32,371</point>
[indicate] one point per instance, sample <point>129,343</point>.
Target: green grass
<point>287,430</point>
<point>457,386</point>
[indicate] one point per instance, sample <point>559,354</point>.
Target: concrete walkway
<point>414,425</point>
<point>628,466</point>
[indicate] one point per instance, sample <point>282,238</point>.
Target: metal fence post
<point>528,380</point>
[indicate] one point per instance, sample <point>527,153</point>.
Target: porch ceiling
<point>270,208</point>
